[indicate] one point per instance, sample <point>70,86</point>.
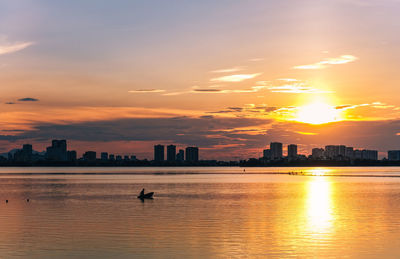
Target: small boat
<point>146,196</point>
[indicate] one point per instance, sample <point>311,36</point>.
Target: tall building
<point>318,153</point>
<point>57,151</point>
<point>71,155</point>
<point>171,153</point>
<point>104,156</point>
<point>89,156</point>
<point>394,155</point>
<point>276,150</point>
<point>331,151</point>
<point>349,153</point>
<point>369,154</point>
<point>357,154</point>
<point>267,154</point>
<point>24,154</point>
<point>192,154</point>
<point>181,155</point>
<point>158,153</point>
<point>341,150</point>
<point>292,151</point>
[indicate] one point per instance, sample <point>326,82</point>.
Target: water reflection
<point>318,171</point>
<point>319,206</point>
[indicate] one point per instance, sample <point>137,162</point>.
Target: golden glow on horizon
<point>318,113</point>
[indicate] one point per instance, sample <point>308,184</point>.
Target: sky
<point>227,76</point>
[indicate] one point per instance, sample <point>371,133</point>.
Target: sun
<point>318,113</point>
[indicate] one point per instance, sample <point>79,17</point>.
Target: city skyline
<point>59,152</point>
<point>228,77</point>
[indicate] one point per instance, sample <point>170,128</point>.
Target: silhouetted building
<point>133,158</point>
<point>357,154</point>
<point>181,155</point>
<point>89,156</point>
<point>126,158</point>
<point>318,153</point>
<point>104,156</point>
<point>331,151</point>
<point>171,153</point>
<point>118,158</point>
<point>276,150</point>
<point>349,153</point>
<point>394,155</point>
<point>111,157</point>
<point>57,151</point>
<point>24,154</point>
<point>158,153</point>
<point>341,150</point>
<point>369,154</point>
<point>292,151</point>
<point>71,155</point>
<point>192,154</point>
<point>267,154</point>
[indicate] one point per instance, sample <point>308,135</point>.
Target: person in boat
<point>142,193</point>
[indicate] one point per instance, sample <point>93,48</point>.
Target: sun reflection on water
<point>318,171</point>
<point>319,206</point>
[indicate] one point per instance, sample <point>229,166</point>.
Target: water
<point>200,213</point>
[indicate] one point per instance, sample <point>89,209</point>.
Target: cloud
<point>288,79</point>
<point>184,130</point>
<point>377,105</point>
<point>147,91</point>
<point>228,70</point>
<point>207,90</point>
<point>330,61</point>
<point>248,110</point>
<point>255,59</point>
<point>247,137</point>
<point>235,78</point>
<point>296,88</point>
<point>10,48</point>
<point>28,99</point>
<point>306,133</point>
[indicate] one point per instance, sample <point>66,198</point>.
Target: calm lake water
<point>200,212</point>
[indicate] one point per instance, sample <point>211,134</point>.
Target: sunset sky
<point>227,76</point>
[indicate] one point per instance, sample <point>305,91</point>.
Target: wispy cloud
<point>377,105</point>
<point>288,79</point>
<point>296,88</point>
<point>28,99</point>
<point>147,91</point>
<point>228,70</point>
<point>329,61</point>
<point>306,133</point>
<point>13,47</point>
<point>248,110</point>
<point>256,59</point>
<point>235,78</point>
<point>207,90</point>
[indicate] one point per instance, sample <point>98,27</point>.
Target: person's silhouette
<point>142,192</point>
